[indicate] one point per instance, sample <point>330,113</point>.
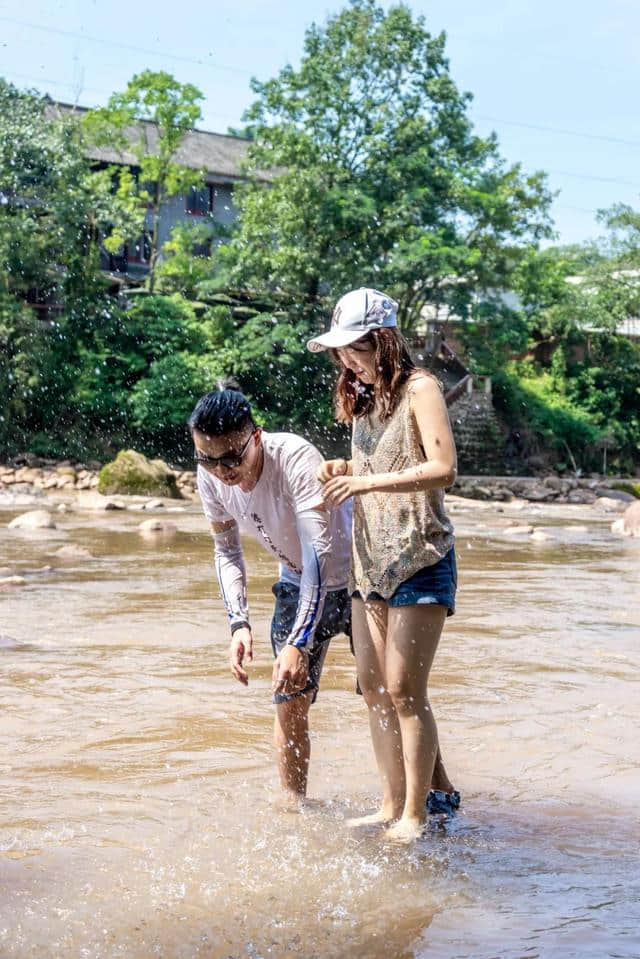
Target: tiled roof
<point>220,155</point>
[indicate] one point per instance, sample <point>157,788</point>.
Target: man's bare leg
<point>293,747</point>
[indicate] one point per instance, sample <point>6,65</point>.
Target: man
<point>266,485</point>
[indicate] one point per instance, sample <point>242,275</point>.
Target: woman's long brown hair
<point>393,365</point>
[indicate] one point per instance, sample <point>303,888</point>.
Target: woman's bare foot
<point>383,815</point>
<point>405,830</point>
<point>289,801</point>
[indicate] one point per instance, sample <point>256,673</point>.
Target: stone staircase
<point>476,428</point>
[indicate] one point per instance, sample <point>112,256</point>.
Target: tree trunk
<point>153,257</point>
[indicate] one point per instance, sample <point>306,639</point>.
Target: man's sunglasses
<point>230,459</point>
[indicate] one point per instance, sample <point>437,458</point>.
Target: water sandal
<point>441,803</point>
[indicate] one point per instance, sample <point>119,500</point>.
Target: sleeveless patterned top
<point>394,534</point>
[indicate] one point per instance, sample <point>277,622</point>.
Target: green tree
<point>56,211</point>
<point>56,215</point>
<point>145,368</point>
<point>151,117</point>
<point>564,367</point>
<point>376,175</point>
<point>186,262</point>
<point>124,349</point>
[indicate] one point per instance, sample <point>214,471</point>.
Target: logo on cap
<point>378,312</point>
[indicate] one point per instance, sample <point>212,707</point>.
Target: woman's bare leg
<point>440,779</point>
<point>413,633</point>
<point>369,640</point>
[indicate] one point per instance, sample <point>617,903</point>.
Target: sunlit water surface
<point>138,789</point>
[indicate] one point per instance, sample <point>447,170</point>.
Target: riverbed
<point>139,793</point>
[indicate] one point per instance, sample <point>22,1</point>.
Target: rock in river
<point>34,519</point>
<point>539,536</point>
<point>162,526</point>
<point>132,472</point>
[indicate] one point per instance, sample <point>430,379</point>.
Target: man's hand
<point>290,671</point>
<point>241,647</point>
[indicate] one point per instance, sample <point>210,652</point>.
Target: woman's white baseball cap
<point>356,313</point>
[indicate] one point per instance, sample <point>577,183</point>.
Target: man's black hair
<point>225,410</point>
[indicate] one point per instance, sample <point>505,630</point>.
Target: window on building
<point>199,201</point>
<point>115,262</point>
<point>140,251</point>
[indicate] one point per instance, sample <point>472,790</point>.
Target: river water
<point>138,789</point>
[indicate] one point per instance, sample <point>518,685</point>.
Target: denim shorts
<point>336,618</point>
<point>435,585</point>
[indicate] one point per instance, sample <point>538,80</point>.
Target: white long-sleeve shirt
<point>285,512</point>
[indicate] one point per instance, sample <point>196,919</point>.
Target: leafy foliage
<point>187,256</point>
<point>123,364</point>
<point>56,213</point>
<point>531,402</point>
<point>291,387</point>
<point>379,179</point>
<point>374,176</point>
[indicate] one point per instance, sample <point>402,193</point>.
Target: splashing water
<point>140,815</point>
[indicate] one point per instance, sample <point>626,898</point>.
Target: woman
<point>403,577</point>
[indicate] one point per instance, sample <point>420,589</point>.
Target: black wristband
<point>241,624</point>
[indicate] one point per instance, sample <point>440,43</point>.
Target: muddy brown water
<point>138,814</point>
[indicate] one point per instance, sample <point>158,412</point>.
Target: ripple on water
<point>138,815</point>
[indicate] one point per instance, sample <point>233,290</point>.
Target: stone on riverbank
<point>610,492</point>
<point>629,523</point>
<point>34,519</point>
<point>631,488</point>
<point>133,473</point>
<point>581,496</point>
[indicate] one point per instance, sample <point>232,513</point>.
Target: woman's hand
<point>330,468</point>
<point>339,489</point>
